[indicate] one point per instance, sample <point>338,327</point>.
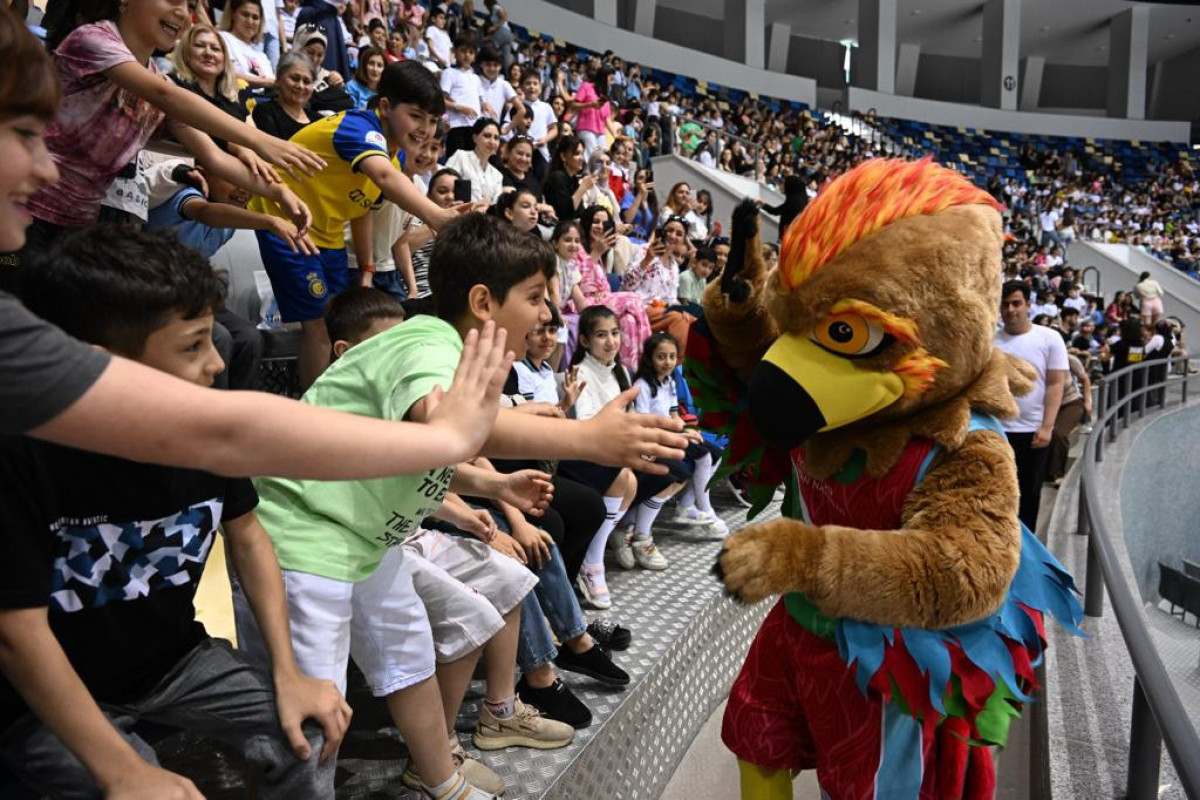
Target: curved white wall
<point>587,32</point>
<point>958,115</point>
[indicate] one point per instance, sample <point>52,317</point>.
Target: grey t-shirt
<point>42,369</point>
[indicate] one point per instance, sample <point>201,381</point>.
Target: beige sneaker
<point>525,728</point>
<point>476,772</point>
<point>621,543</point>
<point>647,555</point>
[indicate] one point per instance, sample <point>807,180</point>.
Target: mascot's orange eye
<point>850,335</point>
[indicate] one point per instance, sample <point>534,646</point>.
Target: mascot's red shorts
<point>796,706</point>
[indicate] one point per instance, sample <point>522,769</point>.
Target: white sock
<point>687,498</point>
<point>700,479</point>
<point>455,788</point>
<point>612,512</point>
<point>647,512</point>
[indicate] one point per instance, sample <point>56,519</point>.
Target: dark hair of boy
<point>411,82</point>
<point>490,55</point>
<point>556,320</point>
<point>589,320</point>
<point>479,250</point>
<point>376,23</point>
<point>526,74</point>
<point>706,254</point>
<point>1015,286</point>
<point>113,286</point>
<point>645,366</point>
<point>467,39</point>
<point>349,315</point>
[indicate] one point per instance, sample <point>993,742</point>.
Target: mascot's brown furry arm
<point>867,383</point>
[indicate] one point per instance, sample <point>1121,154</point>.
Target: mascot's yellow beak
<point>801,388</point>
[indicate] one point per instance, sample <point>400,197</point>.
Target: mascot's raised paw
<point>771,558</point>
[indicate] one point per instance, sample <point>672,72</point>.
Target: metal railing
<point>1158,714</point>
<point>1083,277</point>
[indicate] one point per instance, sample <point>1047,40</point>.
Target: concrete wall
<point>1119,267</point>
<point>1174,94</point>
<point>541,16</point>
<point>1071,86</point>
<point>727,190</point>
<point>1159,502</point>
<point>1016,121</point>
<point>948,79</point>
<point>686,29</point>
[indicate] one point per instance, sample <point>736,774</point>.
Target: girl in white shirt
<point>474,165</point>
<point>657,395</point>
<point>602,378</point>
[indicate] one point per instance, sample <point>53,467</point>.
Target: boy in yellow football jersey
<point>362,149</point>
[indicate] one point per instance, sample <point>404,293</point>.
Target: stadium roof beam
<point>1128,42</point>
<point>780,42</point>
<point>605,11</point>
<point>643,17</point>
<point>1001,47</point>
<point>876,55</point>
<point>1031,82</point>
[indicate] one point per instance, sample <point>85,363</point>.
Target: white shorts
<point>380,621</point>
<point>467,587</point>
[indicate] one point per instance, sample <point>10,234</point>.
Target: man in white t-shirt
<point>498,93</point>
<point>1029,434</point>
<point>1048,220</point>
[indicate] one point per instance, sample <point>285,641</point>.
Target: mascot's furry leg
<point>760,784</point>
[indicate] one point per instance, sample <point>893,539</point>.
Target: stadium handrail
<point>1158,714</point>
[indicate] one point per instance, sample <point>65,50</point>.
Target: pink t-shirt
<point>591,119</point>
<point>100,129</point>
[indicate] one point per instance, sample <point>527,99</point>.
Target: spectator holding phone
<point>475,165</point>
<point>656,280</point>
<point>568,181</point>
<point>639,207</point>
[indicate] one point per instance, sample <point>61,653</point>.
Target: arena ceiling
<point>1061,31</point>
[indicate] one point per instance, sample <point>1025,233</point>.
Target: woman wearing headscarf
<point>325,15</point>
<point>329,89</point>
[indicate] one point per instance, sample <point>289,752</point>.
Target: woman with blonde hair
<point>242,30</point>
<point>203,65</point>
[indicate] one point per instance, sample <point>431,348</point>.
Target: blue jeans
<point>552,599</point>
<point>270,48</point>
<point>390,282</point>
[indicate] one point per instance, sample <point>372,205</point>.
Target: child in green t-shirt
<point>331,538</point>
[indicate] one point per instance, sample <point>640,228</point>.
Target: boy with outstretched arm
<point>345,596</point>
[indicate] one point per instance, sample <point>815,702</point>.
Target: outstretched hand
<point>637,441</point>
<point>468,410</point>
<point>529,490</point>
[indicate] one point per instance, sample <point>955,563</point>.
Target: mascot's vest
<point>978,672</point>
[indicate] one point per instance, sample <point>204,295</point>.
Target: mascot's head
<point>886,297</point>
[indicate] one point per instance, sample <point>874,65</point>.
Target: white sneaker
<point>593,587</point>
<point>647,555</point>
<point>687,515</point>
<point>621,542</point>
<point>718,526</point>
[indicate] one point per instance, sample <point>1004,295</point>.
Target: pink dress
<point>629,308</point>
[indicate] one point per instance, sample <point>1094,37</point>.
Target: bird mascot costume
<point>860,374</point>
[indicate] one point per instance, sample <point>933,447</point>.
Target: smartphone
<point>609,226</point>
<point>650,176</point>
<point>462,190</point>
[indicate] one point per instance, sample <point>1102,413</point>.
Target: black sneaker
<point>556,702</point>
<point>595,664</point>
<point>608,634</point>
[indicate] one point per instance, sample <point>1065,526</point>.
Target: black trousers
<point>1031,472</point>
<point>239,341</point>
